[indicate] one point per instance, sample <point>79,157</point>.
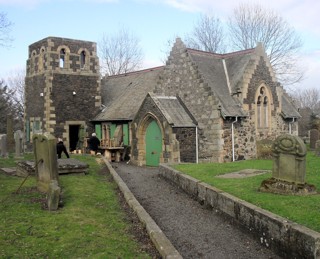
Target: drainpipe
<point>197,151</point>
<point>232,136</point>
<point>290,123</point>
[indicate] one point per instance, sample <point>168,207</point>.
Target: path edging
<point>161,242</point>
<point>283,236</point>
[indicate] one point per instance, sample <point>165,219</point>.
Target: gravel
<point>194,230</point>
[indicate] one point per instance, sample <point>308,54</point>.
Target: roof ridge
<point>225,55</point>
<point>137,72</point>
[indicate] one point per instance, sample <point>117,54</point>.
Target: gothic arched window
<point>263,108</point>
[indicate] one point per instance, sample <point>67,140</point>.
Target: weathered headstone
<point>289,167</point>
<point>18,139</point>
<point>3,145</point>
<point>317,148</point>
<point>53,196</point>
<point>10,138</point>
<point>46,164</point>
<point>314,136</point>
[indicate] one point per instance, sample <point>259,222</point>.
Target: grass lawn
<point>304,210</point>
<point>91,223</point>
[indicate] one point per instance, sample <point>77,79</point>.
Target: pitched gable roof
<point>214,71</point>
<point>288,109</point>
<point>123,94</point>
<point>174,111</point>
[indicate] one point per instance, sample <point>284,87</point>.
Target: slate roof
<point>174,111</point>
<point>287,109</point>
<point>222,72</point>
<point>123,94</point>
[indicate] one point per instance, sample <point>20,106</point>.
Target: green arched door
<point>153,144</point>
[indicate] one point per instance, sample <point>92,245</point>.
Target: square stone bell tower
<point>62,89</point>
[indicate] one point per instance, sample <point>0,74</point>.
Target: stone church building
<point>198,107</point>
<point>62,88</point>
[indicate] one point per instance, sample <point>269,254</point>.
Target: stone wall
<point>57,94</point>
<point>69,106</point>
<point>34,101</point>
<point>181,78</point>
<point>244,139</point>
<point>187,143</point>
<point>44,55</point>
<point>287,238</point>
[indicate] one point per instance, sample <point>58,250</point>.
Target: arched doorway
<point>153,140</point>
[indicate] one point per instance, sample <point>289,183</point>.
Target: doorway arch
<point>150,141</point>
<point>153,140</point>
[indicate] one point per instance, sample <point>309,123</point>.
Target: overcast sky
<point>154,22</point>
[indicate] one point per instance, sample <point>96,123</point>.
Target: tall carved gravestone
<point>289,167</point>
<point>10,138</point>
<point>3,145</point>
<point>46,166</point>
<point>314,136</point>
<point>18,139</point>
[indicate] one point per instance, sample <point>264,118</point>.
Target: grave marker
<point>314,136</point>
<point>18,139</point>
<point>289,167</point>
<point>3,145</point>
<point>46,165</point>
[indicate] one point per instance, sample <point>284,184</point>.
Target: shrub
<point>264,149</point>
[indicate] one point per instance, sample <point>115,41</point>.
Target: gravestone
<point>314,136</point>
<point>10,133</point>
<point>53,197</point>
<point>46,165</point>
<point>3,145</point>
<point>317,148</point>
<point>18,139</point>
<point>289,167</point>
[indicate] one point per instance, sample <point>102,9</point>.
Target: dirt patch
<point>244,173</point>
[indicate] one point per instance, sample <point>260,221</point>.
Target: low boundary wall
<point>159,239</point>
<point>286,238</point>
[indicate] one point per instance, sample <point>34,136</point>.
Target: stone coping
<point>286,238</point>
<point>161,242</point>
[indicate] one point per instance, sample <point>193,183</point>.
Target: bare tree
<point>252,23</point>
<point>5,29</point>
<point>207,35</point>
<point>16,83</point>
<point>308,101</point>
<point>120,53</point>
<point>6,106</point>
<point>307,98</point>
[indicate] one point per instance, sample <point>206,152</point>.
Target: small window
<point>33,62</point>
<point>82,59</point>
<point>263,109</point>
<point>62,58</point>
<point>41,60</point>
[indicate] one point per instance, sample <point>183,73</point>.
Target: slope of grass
<point>91,223</point>
<point>304,210</point>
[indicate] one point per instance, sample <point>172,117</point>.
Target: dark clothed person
<point>93,143</point>
<point>61,148</point>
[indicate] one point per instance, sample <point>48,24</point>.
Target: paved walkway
<point>195,231</point>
